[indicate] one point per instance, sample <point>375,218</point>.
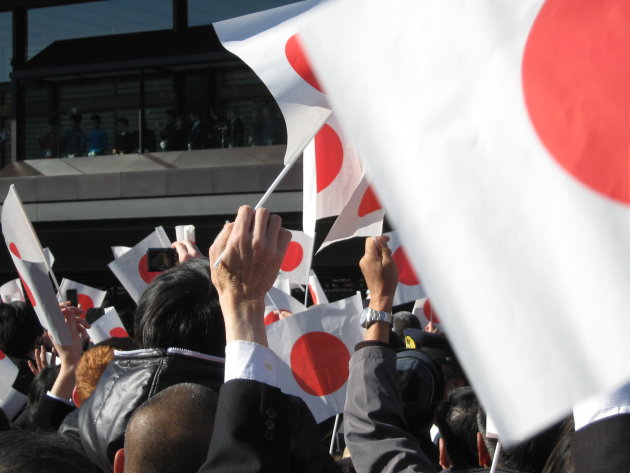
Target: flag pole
<point>273,304</point>
<point>334,434</point>
<point>308,277</point>
<point>495,458</point>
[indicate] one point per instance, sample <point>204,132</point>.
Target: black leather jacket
<point>130,379</point>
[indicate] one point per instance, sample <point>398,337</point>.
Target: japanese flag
<point>270,44</point>
<point>11,400</point>
<point>315,289</point>
<point>279,304</point>
<point>314,347</point>
<point>331,171</point>
<point>423,309</point>
<point>32,267</point>
<point>105,324</point>
<point>362,216</point>
<point>88,297</point>
<point>185,232</point>
<point>118,251</point>
<point>282,283</point>
<point>409,286</point>
<point>297,260</point>
<point>12,291</point>
<point>499,146</point>
<point>131,268</point>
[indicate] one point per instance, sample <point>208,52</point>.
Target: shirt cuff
<point>60,399</point>
<point>249,360</point>
<point>602,406</point>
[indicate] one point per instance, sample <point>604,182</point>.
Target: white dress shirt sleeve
<point>249,360</point>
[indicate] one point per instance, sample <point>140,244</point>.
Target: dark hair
<point>561,458</point>
<point>529,456</point>
<point>171,431</point>
<point>123,120</point>
<point>180,308</point>
<point>19,329</point>
<point>42,383</point>
<point>96,117</point>
<point>41,452</point>
<point>456,417</point>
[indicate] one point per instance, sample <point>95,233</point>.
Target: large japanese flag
<point>331,171</point>
<point>104,324</point>
<point>409,285</point>
<point>11,400</point>
<point>315,348</point>
<point>12,291</point>
<point>32,267</point>
<point>88,297</point>
<point>297,259</point>
<point>131,267</point>
<point>278,303</point>
<point>497,139</point>
<point>270,44</point>
<point>362,216</point>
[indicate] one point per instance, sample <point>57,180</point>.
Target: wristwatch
<point>369,316</point>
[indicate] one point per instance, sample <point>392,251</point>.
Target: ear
<point>75,397</point>
<point>445,463</point>
<point>485,459</point>
<point>119,461</point>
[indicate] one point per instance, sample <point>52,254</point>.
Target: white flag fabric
<point>131,268</point>
<point>279,304</point>
<point>297,259</point>
<point>12,291</point>
<point>108,325</point>
<point>50,258</point>
<point>185,232</point>
<point>11,400</point>
<point>315,289</point>
<point>362,216</point>
<point>118,251</point>
<point>28,258</point>
<point>314,348</point>
<point>424,310</point>
<point>282,283</point>
<point>331,171</point>
<point>88,297</point>
<point>497,138</point>
<point>409,286</point>
<point>269,43</point>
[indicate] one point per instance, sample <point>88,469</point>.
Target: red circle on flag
<point>328,156</point>
<point>311,290</point>
<point>297,59</point>
<point>293,257</point>
<point>406,274</point>
<point>146,275</point>
<point>85,302</point>
<point>319,363</point>
<point>429,313</point>
<point>14,249</point>
<point>2,355</point>
<point>274,316</point>
<point>118,332</point>
<point>369,203</point>
<point>576,71</point>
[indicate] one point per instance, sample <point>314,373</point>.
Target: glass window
<point>46,25</point>
<point>6,48</point>
<point>203,12</point>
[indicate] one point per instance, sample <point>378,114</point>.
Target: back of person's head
<point>561,458</point>
<point>170,432</point>
<point>456,417</point>
<point>96,118</point>
<point>403,320</point>
<point>180,309</point>
<point>19,329</point>
<point>40,452</point>
<point>529,456</point>
<point>42,383</point>
<point>92,364</point>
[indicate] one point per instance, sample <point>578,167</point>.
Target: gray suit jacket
<point>375,428</point>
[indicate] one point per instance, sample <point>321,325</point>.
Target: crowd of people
<point>195,387</point>
<point>174,134</point>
